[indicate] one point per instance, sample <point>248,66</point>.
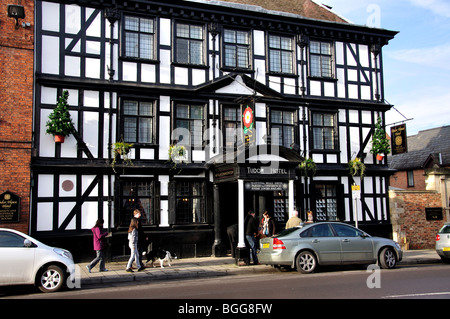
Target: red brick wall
<point>16,107</point>
<point>409,220</point>
<point>400,180</point>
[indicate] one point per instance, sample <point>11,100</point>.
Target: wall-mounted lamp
<point>16,11</point>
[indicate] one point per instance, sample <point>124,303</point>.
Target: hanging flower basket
<point>308,167</point>
<point>357,168</point>
<point>120,150</point>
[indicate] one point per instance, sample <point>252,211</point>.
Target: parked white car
<point>443,243</point>
<point>26,261</point>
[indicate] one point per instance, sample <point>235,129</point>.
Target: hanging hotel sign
<point>248,124</point>
<point>398,137</point>
<point>9,207</point>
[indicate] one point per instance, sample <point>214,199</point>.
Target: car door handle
<point>346,240</point>
<point>315,241</point>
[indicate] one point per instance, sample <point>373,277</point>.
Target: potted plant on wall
<point>120,150</point>
<point>308,167</point>
<point>380,144</point>
<point>60,123</point>
<point>356,167</point>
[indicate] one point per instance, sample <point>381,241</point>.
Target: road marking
<point>419,294</point>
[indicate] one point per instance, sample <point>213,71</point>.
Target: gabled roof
<point>426,148</point>
<point>240,84</point>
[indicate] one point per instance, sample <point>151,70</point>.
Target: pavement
<point>206,267</point>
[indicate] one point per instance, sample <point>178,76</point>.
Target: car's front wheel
<point>306,262</point>
<point>51,279</point>
<point>388,259</point>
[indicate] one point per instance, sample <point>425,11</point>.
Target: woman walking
<point>133,243</point>
<point>99,246</point>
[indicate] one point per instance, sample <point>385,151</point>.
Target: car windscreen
<point>445,229</point>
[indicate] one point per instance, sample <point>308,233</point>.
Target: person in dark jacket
<point>251,231</point>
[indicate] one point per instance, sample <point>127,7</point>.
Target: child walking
<point>133,243</point>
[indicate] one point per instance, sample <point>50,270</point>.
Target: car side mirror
<point>27,243</point>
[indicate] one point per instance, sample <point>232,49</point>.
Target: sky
<point>416,63</point>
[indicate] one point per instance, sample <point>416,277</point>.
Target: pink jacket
<point>99,238</point>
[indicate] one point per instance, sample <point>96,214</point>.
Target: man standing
<point>251,230</point>
<point>294,220</point>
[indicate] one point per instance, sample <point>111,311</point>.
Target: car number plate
<point>266,245</point>
<point>446,249</point>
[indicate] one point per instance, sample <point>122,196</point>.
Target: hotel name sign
<point>9,207</point>
<point>258,172</point>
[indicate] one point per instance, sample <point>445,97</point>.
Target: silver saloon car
<point>327,243</point>
<point>443,243</point>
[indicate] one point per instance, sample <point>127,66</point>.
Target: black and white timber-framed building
<point>158,73</point>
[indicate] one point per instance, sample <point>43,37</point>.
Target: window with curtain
<point>190,202</point>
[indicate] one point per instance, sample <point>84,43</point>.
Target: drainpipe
<point>112,14</point>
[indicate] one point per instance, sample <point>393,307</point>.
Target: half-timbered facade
<point>247,91</point>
